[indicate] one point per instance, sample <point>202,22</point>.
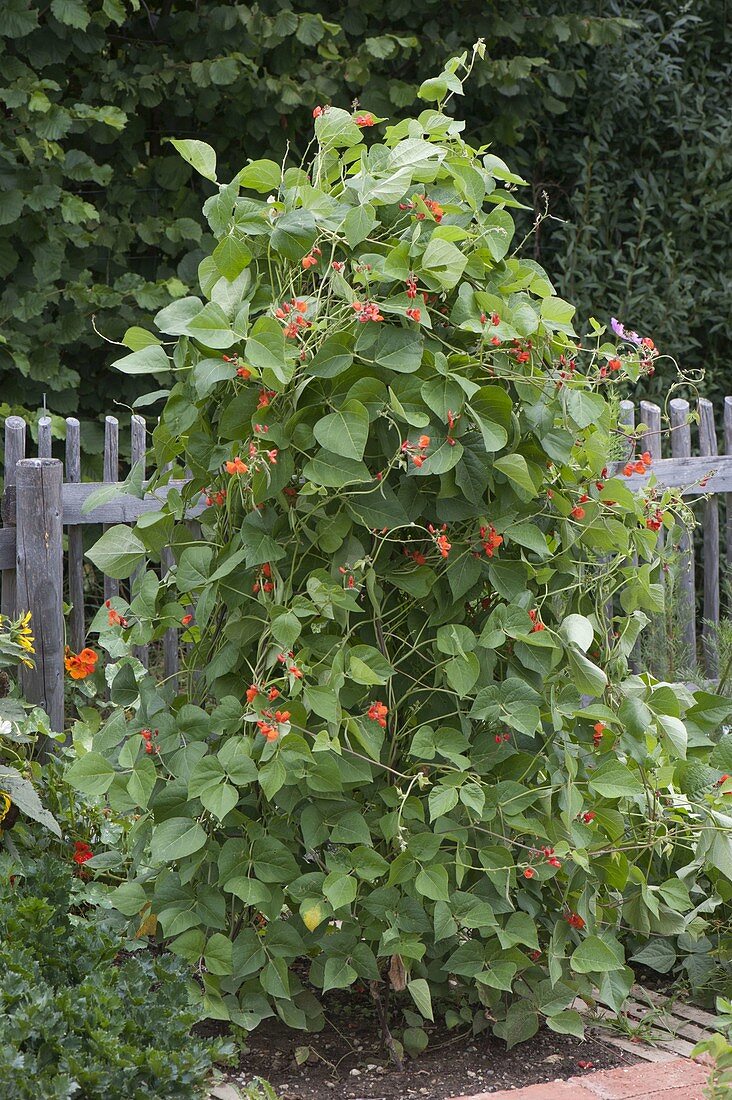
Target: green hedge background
<point>619,112</point>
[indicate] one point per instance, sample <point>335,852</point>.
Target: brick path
<point>681,1079</point>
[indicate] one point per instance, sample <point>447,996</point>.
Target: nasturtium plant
<point>409,573</point>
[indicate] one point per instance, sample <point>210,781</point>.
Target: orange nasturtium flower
<point>80,665</point>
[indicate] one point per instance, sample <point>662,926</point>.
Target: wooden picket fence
<point>44,498</point>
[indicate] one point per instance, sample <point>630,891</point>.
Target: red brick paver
<point>677,1080</point>
<point>554,1090</point>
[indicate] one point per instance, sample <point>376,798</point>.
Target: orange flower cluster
<point>434,208</point>
<point>440,539</point>
<point>491,540</point>
<point>269,724</point>
<point>265,582</point>
<point>538,624</point>
<point>416,555</point>
<point>312,258</point>
<point>114,618</point>
<point>377,712</point>
<point>367,311</point>
<point>521,350</point>
<point>451,421</point>
<point>237,466</point>
<point>242,372</point>
<point>292,312</point>
<point>417,450</point>
<point>80,665</point>
<point>638,465</point>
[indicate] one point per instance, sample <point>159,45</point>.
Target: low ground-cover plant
<point>719,1048</point>
<point>22,729</point>
<point>76,1021</point>
<point>408,750</point>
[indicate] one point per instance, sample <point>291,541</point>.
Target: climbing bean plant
<point>406,750</point>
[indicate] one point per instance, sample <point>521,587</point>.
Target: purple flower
<point>620,330</point>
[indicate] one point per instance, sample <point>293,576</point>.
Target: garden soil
<point>346,1060</point>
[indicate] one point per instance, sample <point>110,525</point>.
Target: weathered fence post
<point>728,496</point>
<point>45,442</point>
<point>626,417</point>
<point>710,623</point>
<point>77,627</point>
<point>656,647</point>
<point>681,448</point>
<point>111,473</point>
<point>39,555</point>
<point>138,452</point>
<point>171,653</point>
<point>14,451</point>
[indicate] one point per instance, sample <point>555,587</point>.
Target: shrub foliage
<point>99,217</point>
<point>73,1021</point>
<point>409,748</point>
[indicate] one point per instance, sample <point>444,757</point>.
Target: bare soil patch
<point>346,1059</point>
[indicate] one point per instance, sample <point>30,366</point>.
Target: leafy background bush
<point>614,109</point>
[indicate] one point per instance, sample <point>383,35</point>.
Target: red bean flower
<point>237,466</point>
<point>378,712</point>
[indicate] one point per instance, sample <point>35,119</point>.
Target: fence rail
<point>43,497</point>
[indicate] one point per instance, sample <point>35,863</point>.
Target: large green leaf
<point>419,991</point>
<point>334,471</point>
<point>294,234</point>
<point>444,262</point>
<point>397,349</point>
<point>597,956</point>
<point>176,838</point>
<point>335,129</point>
<point>615,780</point>
<point>231,256</point>
<point>338,973</point>
<point>199,155</point>
<point>516,470</point>
<point>345,431</point>
<point>358,223</point>
<point>499,230</point>
<point>588,678</point>
<point>261,175</point>
<point>149,360</point>
<point>118,552</point>
<point>91,773</point>
<point>266,349</point>
<point>443,395</point>
<point>334,356</point>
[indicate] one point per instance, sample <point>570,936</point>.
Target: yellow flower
<point>25,633</point>
<point>5,806</point>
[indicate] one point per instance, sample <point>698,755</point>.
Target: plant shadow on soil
<point>347,1059</point>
